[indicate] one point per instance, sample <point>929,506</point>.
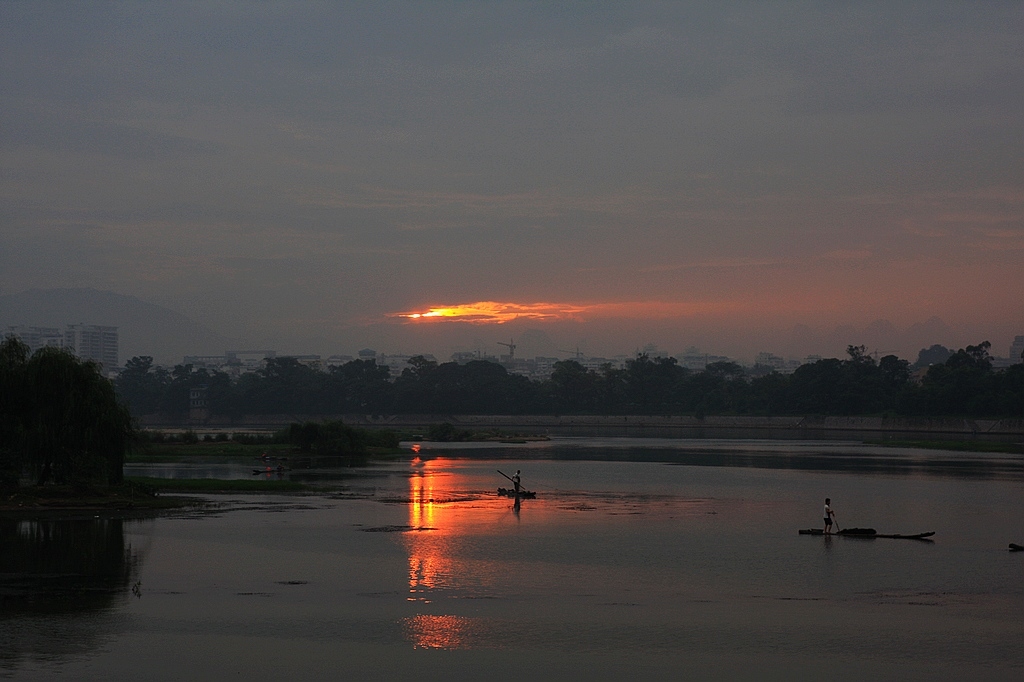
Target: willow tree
<point>13,356</point>
<point>66,424</point>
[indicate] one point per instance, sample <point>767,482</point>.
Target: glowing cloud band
<point>492,312</point>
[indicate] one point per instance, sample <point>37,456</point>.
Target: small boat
<point>870,534</point>
<point>1016,548</point>
<point>510,492</point>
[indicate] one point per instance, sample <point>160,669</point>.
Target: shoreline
<point>665,426</point>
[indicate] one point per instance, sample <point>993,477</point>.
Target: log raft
<point>870,534</point>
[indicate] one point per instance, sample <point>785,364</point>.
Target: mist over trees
<point>962,384</point>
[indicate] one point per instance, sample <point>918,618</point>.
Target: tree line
<point>962,383</point>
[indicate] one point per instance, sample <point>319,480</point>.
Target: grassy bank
<point>214,485</point>
<point>171,453</point>
<point>956,445</point>
<point>137,494</point>
<point>128,497</point>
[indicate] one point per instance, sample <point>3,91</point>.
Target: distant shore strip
<point>664,426</point>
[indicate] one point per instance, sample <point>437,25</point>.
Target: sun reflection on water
<point>426,562</point>
<point>440,632</point>
<point>453,518</point>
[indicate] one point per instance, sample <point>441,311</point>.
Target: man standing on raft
<point>515,481</point>
<point>829,515</point>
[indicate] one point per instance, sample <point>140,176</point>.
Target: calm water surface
<point>637,560</point>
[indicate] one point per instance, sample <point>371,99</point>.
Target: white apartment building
<point>93,342</point>
<point>87,341</point>
<point>695,361</point>
<point>770,360</point>
<point>37,337</point>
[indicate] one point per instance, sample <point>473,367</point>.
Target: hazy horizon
<point>147,329</point>
<point>412,177</point>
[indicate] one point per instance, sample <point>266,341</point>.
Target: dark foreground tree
<point>13,356</point>
<point>62,422</point>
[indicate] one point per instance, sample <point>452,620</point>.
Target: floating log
<point>870,534</point>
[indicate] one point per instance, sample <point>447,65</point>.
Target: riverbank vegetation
<point>961,384</point>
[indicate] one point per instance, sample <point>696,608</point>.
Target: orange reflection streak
<point>439,632</point>
<point>493,312</point>
<point>438,561</point>
<point>430,566</point>
<point>425,565</point>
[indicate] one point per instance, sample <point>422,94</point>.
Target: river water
<point>638,559</point>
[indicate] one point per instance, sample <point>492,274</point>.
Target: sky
<point>428,177</point>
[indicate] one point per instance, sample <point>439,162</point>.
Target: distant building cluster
<point>695,361</point>
<point>88,341</point>
<point>537,368</point>
<point>540,367</point>
<point>238,362</point>
<point>776,363</point>
<point>100,344</point>
<point>233,362</point>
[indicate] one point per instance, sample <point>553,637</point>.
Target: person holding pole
<point>515,481</point>
<point>829,516</point>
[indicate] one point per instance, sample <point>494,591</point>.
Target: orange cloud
<point>493,312</point>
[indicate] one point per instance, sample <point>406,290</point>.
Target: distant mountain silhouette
<point>143,328</point>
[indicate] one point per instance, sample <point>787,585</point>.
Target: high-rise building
<point>1017,349</point>
<point>93,342</point>
<point>37,337</point>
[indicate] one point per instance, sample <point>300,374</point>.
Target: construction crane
<point>575,353</point>
<point>511,345</point>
